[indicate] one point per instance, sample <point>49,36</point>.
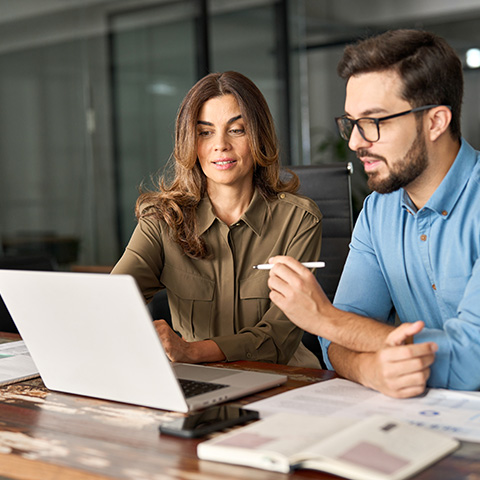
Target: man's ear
<point>439,119</point>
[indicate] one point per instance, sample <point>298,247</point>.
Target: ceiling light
<point>472,58</point>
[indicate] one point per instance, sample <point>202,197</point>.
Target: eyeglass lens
<point>368,128</point>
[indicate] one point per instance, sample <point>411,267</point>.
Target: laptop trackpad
<point>200,372</point>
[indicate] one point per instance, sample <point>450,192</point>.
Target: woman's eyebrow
<point>234,119</point>
<point>210,124</point>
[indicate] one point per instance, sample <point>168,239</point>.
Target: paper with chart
<point>455,413</point>
<point>16,364</point>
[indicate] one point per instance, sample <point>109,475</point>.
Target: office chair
<point>329,185</point>
<point>158,307</point>
<point>13,262</point>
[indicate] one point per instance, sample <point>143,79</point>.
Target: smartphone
<point>209,420</point>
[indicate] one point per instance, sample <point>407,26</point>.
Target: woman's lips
<point>224,163</point>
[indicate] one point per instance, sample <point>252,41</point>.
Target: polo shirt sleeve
<point>457,361</point>
<point>362,288</point>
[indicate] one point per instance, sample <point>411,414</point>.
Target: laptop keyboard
<point>191,388</point>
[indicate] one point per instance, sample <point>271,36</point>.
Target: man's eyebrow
<point>210,124</point>
<point>366,113</point>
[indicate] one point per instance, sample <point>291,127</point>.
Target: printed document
<point>456,413</point>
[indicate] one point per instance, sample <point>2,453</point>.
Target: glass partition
<point>153,65</point>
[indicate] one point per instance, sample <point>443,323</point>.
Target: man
<point>415,247</point>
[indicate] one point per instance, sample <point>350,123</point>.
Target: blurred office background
<point>89,91</point>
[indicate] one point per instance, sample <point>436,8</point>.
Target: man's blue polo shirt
<point>423,265</point>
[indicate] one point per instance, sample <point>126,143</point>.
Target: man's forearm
<point>352,331</point>
<point>347,363</point>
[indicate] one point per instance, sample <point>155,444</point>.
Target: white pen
<point>268,266</point>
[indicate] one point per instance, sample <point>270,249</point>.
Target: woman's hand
<point>179,350</point>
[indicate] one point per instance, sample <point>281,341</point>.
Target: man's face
<point>400,156</point>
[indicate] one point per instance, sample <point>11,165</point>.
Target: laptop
<point>92,334</point>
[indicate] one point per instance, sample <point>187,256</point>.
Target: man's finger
<point>404,332</point>
<point>407,352</point>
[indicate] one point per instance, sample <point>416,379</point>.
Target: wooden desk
<point>53,436</point>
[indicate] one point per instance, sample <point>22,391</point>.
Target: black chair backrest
<point>34,262</point>
<point>329,185</point>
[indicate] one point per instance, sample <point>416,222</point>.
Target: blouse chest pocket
<point>254,296</point>
<point>190,297</point>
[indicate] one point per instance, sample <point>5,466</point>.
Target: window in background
<point>55,182</point>
<point>253,40</point>
<point>42,145</point>
<point>153,66</point>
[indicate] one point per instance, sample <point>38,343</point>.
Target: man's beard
<point>404,171</point>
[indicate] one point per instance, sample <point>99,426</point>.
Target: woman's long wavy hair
<point>175,201</point>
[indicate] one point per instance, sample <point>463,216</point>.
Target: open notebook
<point>92,334</point>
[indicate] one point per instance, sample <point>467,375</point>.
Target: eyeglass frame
<point>377,121</point>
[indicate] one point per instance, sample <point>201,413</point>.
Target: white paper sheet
<point>455,413</point>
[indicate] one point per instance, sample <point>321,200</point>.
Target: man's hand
<point>404,333</point>
<point>402,368</point>
<point>295,290</point>
<point>178,350</point>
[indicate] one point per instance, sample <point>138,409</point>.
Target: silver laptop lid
<point>91,334</point>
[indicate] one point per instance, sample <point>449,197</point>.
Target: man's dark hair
<point>428,66</point>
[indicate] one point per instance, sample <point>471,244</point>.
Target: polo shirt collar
<point>254,216</point>
<point>448,192</point>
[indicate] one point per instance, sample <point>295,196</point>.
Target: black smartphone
<point>207,421</point>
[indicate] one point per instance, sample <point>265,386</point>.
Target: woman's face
<point>222,144</point>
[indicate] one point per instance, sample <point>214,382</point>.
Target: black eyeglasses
<point>369,128</point>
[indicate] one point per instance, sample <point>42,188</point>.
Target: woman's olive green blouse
<point>223,298</point>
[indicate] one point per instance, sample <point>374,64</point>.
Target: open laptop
<point>92,334</point>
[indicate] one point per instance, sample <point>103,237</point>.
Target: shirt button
<point>423,238</point>
<point>282,196</point>
<point>444,213</point>
<point>249,355</point>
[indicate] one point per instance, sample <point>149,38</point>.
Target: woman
<point>225,211</point>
